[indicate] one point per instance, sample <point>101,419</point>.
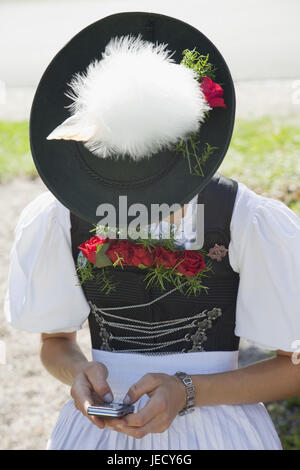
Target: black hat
<point>141,150</point>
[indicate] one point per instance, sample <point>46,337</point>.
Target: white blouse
<point>43,294</point>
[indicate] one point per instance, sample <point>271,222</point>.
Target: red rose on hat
<point>89,248</point>
<point>192,263</point>
<point>213,93</point>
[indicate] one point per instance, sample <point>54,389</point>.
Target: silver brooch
<point>217,252</point>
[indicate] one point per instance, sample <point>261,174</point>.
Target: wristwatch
<point>190,393</point>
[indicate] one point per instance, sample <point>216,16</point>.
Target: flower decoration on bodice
<point>161,261</point>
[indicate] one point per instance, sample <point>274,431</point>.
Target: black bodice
<point>175,323</point>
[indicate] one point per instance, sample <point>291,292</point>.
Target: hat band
<point>124,184</point>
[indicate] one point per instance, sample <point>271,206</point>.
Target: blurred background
<point>260,41</point>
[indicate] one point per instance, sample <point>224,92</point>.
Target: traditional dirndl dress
<point>135,330</point>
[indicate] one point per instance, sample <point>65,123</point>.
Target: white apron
<point>222,427</point>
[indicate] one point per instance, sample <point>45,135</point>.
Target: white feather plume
<point>136,100</point>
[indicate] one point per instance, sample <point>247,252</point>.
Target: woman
<point>173,355</point>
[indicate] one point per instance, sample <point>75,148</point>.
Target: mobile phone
<point>110,410</point>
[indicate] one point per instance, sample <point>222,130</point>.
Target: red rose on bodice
<point>192,263</point>
<point>89,248</point>
<point>126,253</point>
<point>141,255</point>
<point>120,249</point>
<point>165,257</point>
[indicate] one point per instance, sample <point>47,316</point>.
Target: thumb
<point>145,385</point>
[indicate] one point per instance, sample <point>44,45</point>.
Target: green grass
<point>15,155</point>
<point>285,415</point>
<point>265,155</point>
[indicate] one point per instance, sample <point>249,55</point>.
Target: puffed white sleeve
<point>43,295</point>
<point>265,251</point>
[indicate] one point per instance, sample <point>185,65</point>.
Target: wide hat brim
<point>80,180</point>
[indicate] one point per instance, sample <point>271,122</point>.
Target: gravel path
<point>31,398</point>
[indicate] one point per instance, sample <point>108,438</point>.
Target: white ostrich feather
<point>136,100</point>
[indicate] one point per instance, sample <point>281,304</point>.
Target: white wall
<point>259,39</point>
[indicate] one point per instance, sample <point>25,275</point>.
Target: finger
<point>83,397</point>
<point>156,425</point>
<point>81,393</point>
<point>99,384</point>
<point>154,407</point>
<point>113,423</point>
<point>145,385</point>
<point>99,422</point>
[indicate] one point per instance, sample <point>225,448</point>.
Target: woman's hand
<point>167,397</point>
<point>91,388</point>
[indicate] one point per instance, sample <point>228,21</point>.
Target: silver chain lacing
<point>201,320</point>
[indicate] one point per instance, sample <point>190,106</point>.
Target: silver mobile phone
<point>110,410</point>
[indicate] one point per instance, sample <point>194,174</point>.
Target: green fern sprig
<point>85,272</point>
<point>160,274</point>
<point>105,282</point>
<point>189,150</point>
<point>208,151</point>
<point>119,261</point>
<point>169,242</point>
<point>194,285</point>
<point>156,276</point>
<point>199,63</point>
<point>148,244</point>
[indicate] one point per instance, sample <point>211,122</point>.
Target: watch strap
<point>190,392</point>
